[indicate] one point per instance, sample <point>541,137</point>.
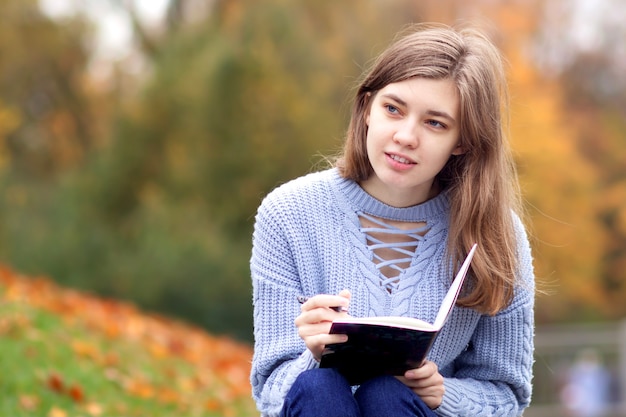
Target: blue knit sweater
<point>307,240</point>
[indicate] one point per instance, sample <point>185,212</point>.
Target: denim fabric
<point>326,393</point>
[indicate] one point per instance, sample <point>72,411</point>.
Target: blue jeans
<point>325,392</point>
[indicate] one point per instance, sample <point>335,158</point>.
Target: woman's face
<point>413,129</point>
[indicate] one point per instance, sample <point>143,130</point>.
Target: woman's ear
<point>459,150</point>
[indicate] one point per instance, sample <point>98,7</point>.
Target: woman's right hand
<point>315,320</point>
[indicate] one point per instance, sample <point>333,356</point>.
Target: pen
<point>339,309</point>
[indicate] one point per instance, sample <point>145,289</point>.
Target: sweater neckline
<point>361,201</point>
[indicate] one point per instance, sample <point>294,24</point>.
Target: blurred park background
<point>137,138</point>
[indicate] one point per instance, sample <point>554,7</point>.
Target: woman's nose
<point>407,135</point>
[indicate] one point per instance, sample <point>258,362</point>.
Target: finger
<point>416,383</point>
<point>316,340</point>
<point>431,394</point>
<point>325,301</point>
<point>316,343</point>
<point>420,384</point>
<point>428,369</point>
<point>345,294</point>
<point>313,329</point>
<point>317,315</point>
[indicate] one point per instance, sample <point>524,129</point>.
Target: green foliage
<point>163,258</point>
<point>163,213</point>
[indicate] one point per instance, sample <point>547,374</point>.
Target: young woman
<point>424,174</point>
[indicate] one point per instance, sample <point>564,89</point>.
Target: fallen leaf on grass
<point>77,394</point>
<point>29,402</point>
<point>212,405</point>
<point>85,349</point>
<point>57,412</point>
<point>168,395</point>
<point>137,388</point>
<point>93,409</point>
<point>55,382</point>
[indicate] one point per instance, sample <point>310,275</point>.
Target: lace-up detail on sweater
<point>392,248</point>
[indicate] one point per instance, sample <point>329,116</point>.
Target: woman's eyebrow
<point>395,98</point>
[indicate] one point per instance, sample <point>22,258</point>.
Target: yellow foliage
<point>10,120</point>
<point>559,183</point>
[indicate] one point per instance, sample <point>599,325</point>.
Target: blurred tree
<point>42,65</point>
<point>237,103</point>
<point>589,62</point>
<point>238,98</point>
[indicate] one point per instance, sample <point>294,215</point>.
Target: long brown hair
<point>482,182</point>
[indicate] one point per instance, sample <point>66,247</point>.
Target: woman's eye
<point>391,109</point>
<point>436,123</point>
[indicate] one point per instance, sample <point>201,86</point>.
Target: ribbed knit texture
<point>308,240</point>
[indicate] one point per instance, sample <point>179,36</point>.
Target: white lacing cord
<point>407,249</point>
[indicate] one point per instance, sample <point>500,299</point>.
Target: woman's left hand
<point>427,382</point>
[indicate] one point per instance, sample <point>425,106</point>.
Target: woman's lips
<point>400,159</point>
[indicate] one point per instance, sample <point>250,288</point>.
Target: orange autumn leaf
<point>139,388</point>
<point>57,412</point>
<point>110,359</point>
<point>85,349</point>
<point>55,382</point>
<point>76,393</point>
<point>93,409</point>
<point>212,405</point>
<point>177,347</point>
<point>168,395</point>
<point>157,350</point>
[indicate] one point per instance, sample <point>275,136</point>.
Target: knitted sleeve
<point>280,355</point>
<point>493,375</point>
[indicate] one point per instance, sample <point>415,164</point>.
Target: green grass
<point>59,365</point>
